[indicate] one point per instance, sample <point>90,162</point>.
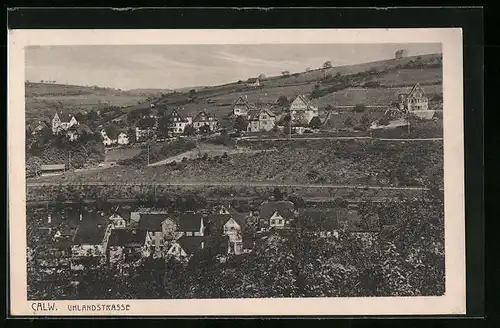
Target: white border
<point>453,302</point>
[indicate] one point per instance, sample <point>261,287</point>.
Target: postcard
<point>259,172</point>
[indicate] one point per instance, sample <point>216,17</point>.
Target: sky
<point>177,66</point>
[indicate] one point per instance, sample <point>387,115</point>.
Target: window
<point>273,221</point>
<point>280,221</point>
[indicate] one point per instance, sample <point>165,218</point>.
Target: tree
<point>131,135</point>
<point>316,93</point>
<point>285,73</point>
<point>327,64</point>
<point>240,123</point>
<point>164,124</point>
<point>192,93</point>
<point>364,122</point>
<point>111,131</point>
<point>315,122</point>
<point>349,122</point>
<point>283,101</point>
<point>359,108</point>
<point>204,129</point>
<point>278,195</point>
<point>383,121</point>
<point>92,116</point>
<point>189,130</point>
<point>308,69</point>
<point>262,77</point>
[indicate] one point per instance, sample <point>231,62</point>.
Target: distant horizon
<point>183,66</point>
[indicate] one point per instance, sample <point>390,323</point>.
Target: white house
<point>123,139</point>
<point>107,141</point>
<point>416,102</point>
<point>302,111</point>
<point>241,107</point>
<point>277,214</point>
<point>62,122</point>
<point>253,82</point>
<point>204,119</point>
<point>261,120</point>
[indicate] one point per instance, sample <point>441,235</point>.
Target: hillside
<point>374,84</point>
<point>42,99</point>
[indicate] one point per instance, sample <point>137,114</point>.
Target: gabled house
<point>261,120</point>
<point>90,241</point>
<point>322,222</point>
<point>75,132</point>
<point>62,122</point>
<point>191,224</point>
<point>241,107</point>
<point>253,82</point>
<point>183,248</point>
<point>177,122</point>
<point>161,227</point>
<point>106,140</point>
<point>302,111</point>
<point>123,139</point>
<point>202,119</point>
<point>36,127</point>
<point>118,218</point>
<point>416,102</point>
<point>230,224</point>
<point>277,214</point>
<point>128,244</point>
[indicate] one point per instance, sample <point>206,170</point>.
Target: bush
<point>359,108</point>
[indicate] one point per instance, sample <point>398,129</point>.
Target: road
<point>228,184</point>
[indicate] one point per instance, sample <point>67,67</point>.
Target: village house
<point>75,132</point>
<point>203,119</point>
<point>416,102</point>
<point>277,214</point>
<point>186,246</point>
<point>302,111</point>
<point>161,228</point>
<point>323,222</point>
<point>253,82</point>
<point>107,141</point>
<point>191,224</point>
<point>401,54</point>
<point>241,107</point>
<point>123,139</point>
<point>62,122</point>
<point>36,127</point>
<point>90,241</point>
<point>119,218</point>
<point>178,123</point>
<point>228,223</point>
<point>261,120</point>
<point>128,245</point>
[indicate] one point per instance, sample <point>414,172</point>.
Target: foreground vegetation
<point>406,258</point>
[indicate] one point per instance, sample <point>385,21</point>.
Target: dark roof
<point>90,232</point>
<point>64,117</point>
<point>415,87</point>
<point>284,208</point>
<point>127,237</point>
<point>253,114</point>
<point>123,212</point>
<point>323,219</point>
<point>218,243</point>
<point>51,167</point>
<point>243,101</point>
<point>83,128</point>
<point>191,244</point>
<point>252,80</point>
<point>152,222</point>
<point>189,222</point>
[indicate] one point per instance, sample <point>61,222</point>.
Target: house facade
<point>416,102</point>
<point>123,139</point>
<point>263,120</point>
<point>302,111</point>
<point>191,224</point>
<point>241,107</point>
<point>177,122</point>
<point>277,214</point>
<point>203,119</point>
<point>107,141</point>
<point>128,245</point>
<point>62,122</point>
<point>253,82</point>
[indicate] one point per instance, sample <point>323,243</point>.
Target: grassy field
<point>43,99</point>
<point>298,162</point>
<point>118,154</point>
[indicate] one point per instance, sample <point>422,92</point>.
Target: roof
<point>90,232</point>
<point>217,243</point>
<point>53,167</point>
<point>255,113</point>
<point>244,102</point>
<point>308,102</point>
<point>252,80</point>
<point>189,222</point>
<point>170,111</point>
<point>191,244</point>
<point>202,117</point>
<point>64,117</point>
<point>152,221</point>
<point>284,208</point>
<point>127,237</point>
<point>320,218</point>
<point>413,89</point>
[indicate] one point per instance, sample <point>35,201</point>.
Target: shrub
<point>359,108</point>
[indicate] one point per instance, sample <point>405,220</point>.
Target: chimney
<point>49,218</point>
<point>81,216</point>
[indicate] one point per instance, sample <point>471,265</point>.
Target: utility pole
<point>69,160</point>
